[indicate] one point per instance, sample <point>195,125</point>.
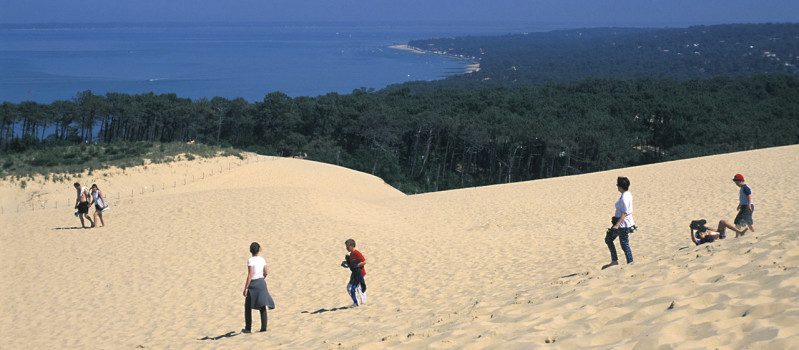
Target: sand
<point>513,266</point>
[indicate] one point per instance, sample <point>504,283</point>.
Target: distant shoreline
<point>470,68</point>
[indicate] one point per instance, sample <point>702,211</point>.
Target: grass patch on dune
<point>56,163</point>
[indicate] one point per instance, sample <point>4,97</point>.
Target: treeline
<point>622,53</point>
<point>450,138</point>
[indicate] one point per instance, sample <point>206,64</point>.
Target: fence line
<point>130,199</point>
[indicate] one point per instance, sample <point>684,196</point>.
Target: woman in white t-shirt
<point>99,204</point>
<point>256,296</point>
<point>622,225</point>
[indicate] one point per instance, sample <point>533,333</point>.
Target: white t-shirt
<point>257,263</point>
<point>625,205</point>
<point>98,200</point>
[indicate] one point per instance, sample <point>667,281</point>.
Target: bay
<point>44,63</point>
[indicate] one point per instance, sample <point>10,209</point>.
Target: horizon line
<point>598,24</point>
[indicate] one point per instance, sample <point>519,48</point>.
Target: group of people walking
<point>623,223</point>
<point>257,296</point>
<point>85,198</point>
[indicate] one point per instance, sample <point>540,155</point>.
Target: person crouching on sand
<point>256,296</point>
<point>704,234</point>
<point>623,224</point>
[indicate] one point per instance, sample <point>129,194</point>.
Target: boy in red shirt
<point>355,261</point>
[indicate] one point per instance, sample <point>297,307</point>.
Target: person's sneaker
<point>612,263</point>
<point>245,330</point>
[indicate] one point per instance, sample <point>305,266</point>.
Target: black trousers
<point>248,315</point>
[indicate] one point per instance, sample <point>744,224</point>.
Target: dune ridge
<point>512,266</point>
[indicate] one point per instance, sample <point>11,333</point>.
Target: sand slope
<point>508,266</point>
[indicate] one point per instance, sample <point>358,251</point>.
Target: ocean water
<point>44,63</point>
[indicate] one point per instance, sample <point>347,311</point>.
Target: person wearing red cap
<point>745,205</point>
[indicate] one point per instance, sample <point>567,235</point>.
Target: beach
<point>472,67</point>
<point>512,266</point>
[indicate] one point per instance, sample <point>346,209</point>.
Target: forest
<point>421,140</point>
<point>449,139</point>
<point>622,53</point>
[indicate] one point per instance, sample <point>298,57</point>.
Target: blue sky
<point>570,12</point>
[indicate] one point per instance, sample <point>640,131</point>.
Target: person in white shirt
<point>623,224</point>
<point>100,204</point>
<point>256,296</point>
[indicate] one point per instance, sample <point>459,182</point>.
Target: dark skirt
<point>259,295</point>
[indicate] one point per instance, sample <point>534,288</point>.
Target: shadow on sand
<point>226,335</point>
<point>71,228</point>
<point>324,310</point>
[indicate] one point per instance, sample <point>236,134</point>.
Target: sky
<point>656,13</point>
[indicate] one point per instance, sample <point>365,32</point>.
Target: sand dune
<point>511,266</point>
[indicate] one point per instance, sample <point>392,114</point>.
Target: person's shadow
<point>322,310</point>
<point>230,334</point>
<point>70,228</point>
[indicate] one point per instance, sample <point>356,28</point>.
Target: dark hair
<point>255,248</point>
<point>76,184</point>
<point>95,185</point>
<point>623,182</point>
<point>350,242</point>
